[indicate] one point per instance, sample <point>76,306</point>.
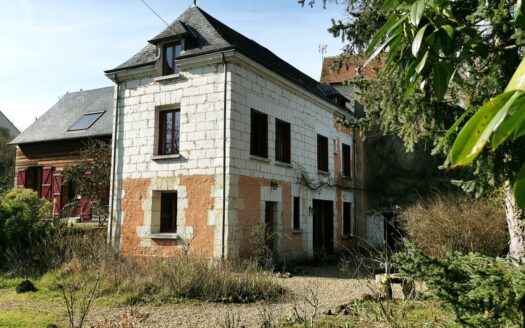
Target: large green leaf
<point>381,47</point>
<point>422,63</point>
<point>517,82</point>
<point>389,5</point>
<point>519,188</point>
<point>441,73</point>
<point>476,133</point>
<point>416,12</point>
<point>520,129</point>
<point>416,44</point>
<point>511,123</point>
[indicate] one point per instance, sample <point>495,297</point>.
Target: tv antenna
<point>322,49</point>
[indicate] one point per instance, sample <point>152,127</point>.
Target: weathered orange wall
<point>250,216</point>
<point>196,215</point>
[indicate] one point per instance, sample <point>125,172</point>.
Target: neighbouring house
<point>218,138</point>
<point>5,123</point>
<point>53,142</point>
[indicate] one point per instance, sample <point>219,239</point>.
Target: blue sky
<point>54,46</point>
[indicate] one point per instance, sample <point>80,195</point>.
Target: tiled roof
<point>210,35</point>
<point>348,70</point>
<point>55,123</point>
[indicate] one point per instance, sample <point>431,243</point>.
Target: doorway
<point>270,220</point>
<point>323,219</point>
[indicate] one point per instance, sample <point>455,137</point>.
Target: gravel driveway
<point>328,285</point>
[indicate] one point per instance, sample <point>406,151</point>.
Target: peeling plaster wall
<point>307,119</point>
<point>196,175</point>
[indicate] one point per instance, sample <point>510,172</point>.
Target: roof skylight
<point>86,121</point>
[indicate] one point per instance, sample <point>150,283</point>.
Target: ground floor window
<point>296,213</point>
<point>348,223</point>
<point>168,212</point>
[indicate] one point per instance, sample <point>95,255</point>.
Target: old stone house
<point>53,142</point>
<point>217,137</point>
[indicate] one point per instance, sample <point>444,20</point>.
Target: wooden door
<point>323,226</point>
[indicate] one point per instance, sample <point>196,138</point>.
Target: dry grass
<point>457,223</point>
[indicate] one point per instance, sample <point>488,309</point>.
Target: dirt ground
<point>328,285</point>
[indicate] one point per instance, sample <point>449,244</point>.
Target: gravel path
<point>327,284</point>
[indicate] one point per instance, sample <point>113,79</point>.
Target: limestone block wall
<point>253,175</point>
<point>196,174</point>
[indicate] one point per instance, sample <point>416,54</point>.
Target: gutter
<point>113,166</point>
<point>223,59</point>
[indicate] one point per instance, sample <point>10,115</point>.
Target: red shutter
<point>85,208</point>
<point>21,178</point>
<point>47,173</point>
<point>57,193</point>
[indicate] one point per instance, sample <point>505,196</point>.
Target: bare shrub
<point>456,223</point>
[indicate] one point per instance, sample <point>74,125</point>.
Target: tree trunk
<point>516,222</point>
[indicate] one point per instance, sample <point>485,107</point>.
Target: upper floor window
<point>282,141</point>
<point>170,52</point>
<point>347,167</point>
<point>169,131</point>
<point>322,153</point>
<point>259,134</point>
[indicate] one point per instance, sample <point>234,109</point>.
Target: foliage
<point>91,174</point>
<point>480,291</point>
<point>7,161</point>
<point>457,223</point>
<point>23,217</point>
<point>471,47</point>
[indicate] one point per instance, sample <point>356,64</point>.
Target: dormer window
<point>170,52</point>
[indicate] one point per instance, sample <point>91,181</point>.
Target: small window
<point>282,141</point>
<point>169,131</point>
<point>86,121</point>
<point>168,212</point>
<point>347,166</point>
<point>259,134</point>
<point>322,153</point>
<point>348,223</point>
<point>296,213</point>
<point>169,55</point>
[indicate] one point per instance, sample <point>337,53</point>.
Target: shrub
<point>171,278</point>
<point>480,291</point>
<point>23,218</point>
<point>456,223</point>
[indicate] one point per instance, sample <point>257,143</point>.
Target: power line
<point>153,11</point>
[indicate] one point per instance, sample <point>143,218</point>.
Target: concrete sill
<point>168,78</point>
<point>164,157</point>
<point>288,165</point>
<point>172,236</point>
<point>325,173</point>
<point>346,237</point>
<point>297,231</point>
<point>259,159</point>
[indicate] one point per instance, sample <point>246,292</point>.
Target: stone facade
<point>196,174</point>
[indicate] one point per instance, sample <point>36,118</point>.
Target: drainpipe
<point>354,160</point>
<point>224,158</point>
<point>114,165</point>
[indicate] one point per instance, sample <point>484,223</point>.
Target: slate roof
<point>7,124</point>
<point>54,124</point>
<point>212,36</point>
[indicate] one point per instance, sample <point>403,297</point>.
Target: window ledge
<point>325,173</point>
<point>297,231</point>
<point>168,78</point>
<point>163,157</point>
<point>260,159</point>
<point>161,235</point>
<point>288,165</point>
<point>345,237</point>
